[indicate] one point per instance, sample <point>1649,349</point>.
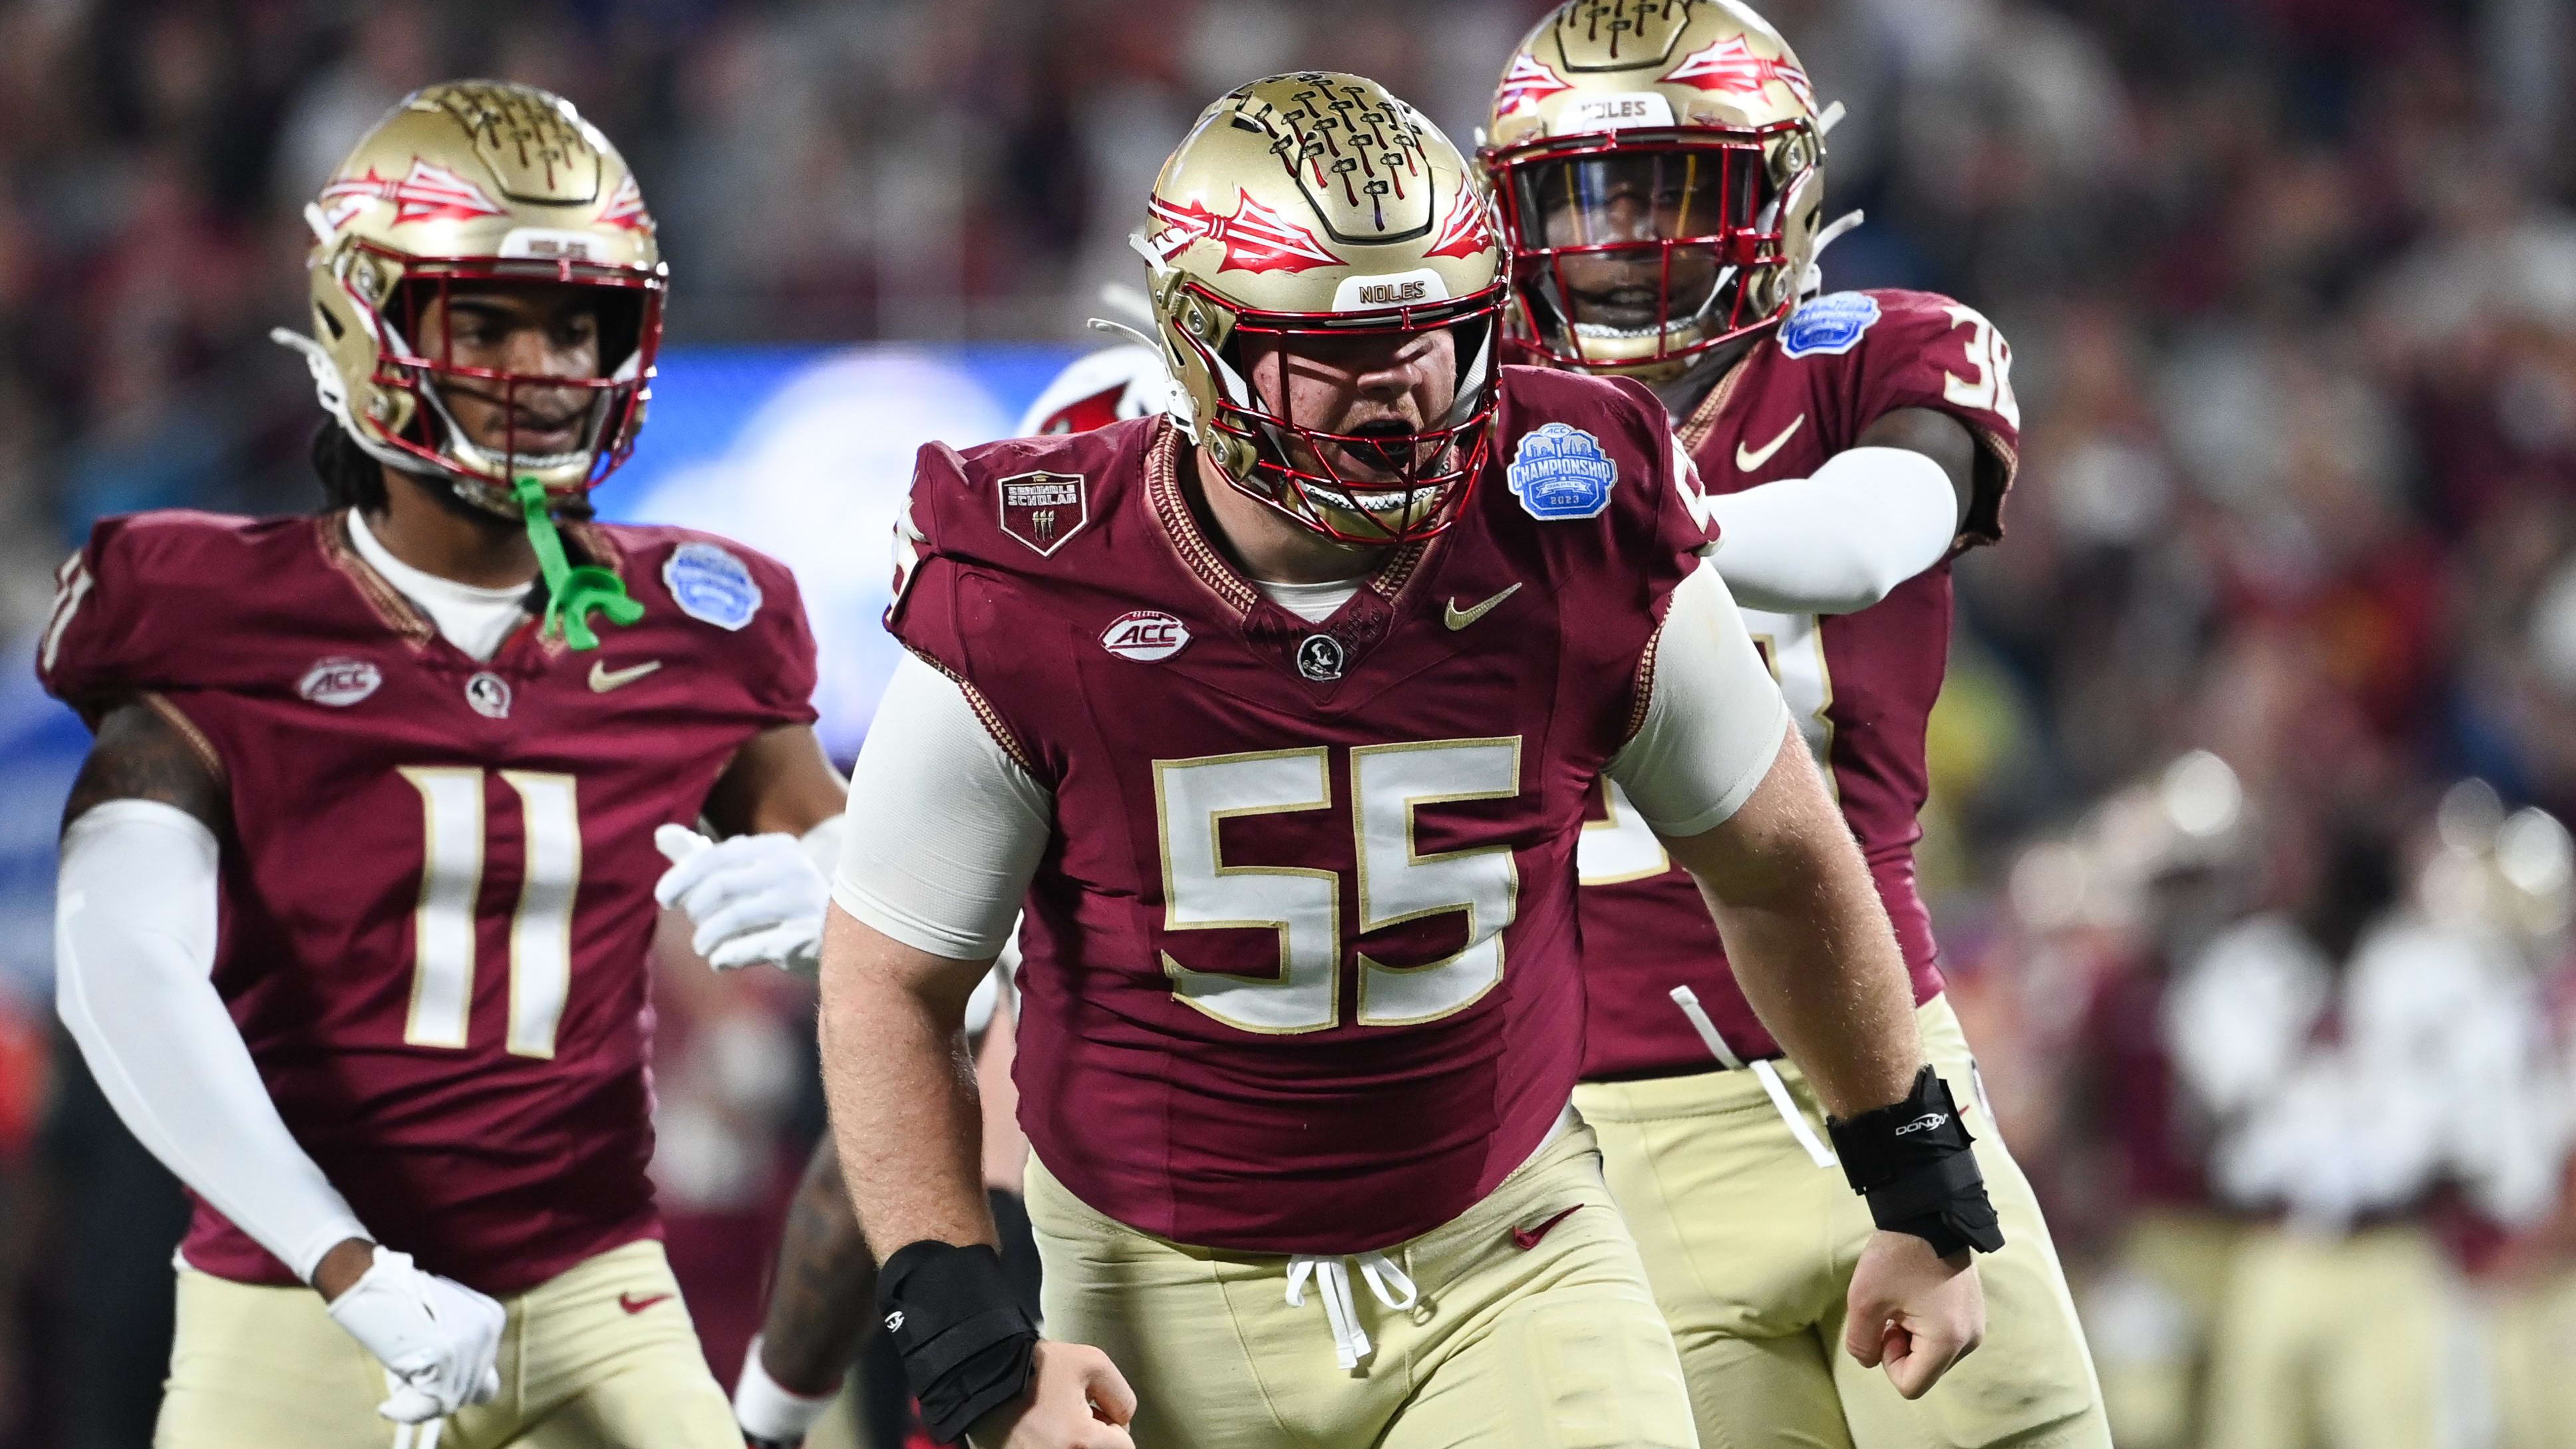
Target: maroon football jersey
<point>437,882</point>
<point>1301,957</point>
<point>1861,685</point>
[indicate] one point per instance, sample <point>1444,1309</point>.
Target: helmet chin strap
<point>572,593</point>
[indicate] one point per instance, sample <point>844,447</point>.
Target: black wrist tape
<point>1911,1160</point>
<point>968,1347</point>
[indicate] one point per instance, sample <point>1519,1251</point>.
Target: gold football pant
<point>2333,1342</point>
<point>2535,1394</point>
<point>1750,1245</point>
<point>601,1356</point>
<point>2150,1316</point>
<point>1533,1328</point>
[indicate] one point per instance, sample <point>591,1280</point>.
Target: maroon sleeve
<point>126,608</point>
<point>1927,351</point>
<point>783,670</point>
<point>939,597</point>
<point>1613,575</point>
<point>923,616</point>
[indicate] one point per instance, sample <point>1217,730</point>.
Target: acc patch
<point>1147,636</point>
<point>1560,472</point>
<point>339,681</point>
<point>710,583</point>
<point>1831,324</point>
<point>1042,510</point>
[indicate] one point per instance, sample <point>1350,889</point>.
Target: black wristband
<point>1911,1160</point>
<point>968,1347</point>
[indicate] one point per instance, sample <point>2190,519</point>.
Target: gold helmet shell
<point>1699,109</point>
<point>1311,205</point>
<point>471,182</point>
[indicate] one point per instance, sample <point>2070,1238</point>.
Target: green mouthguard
<point>571,593</point>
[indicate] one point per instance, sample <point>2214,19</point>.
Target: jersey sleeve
<point>111,634</point>
<point>938,594</point>
<point>1927,351</point>
<point>1677,524</point>
<point>783,678</point>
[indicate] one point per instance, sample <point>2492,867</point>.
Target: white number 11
<point>451,879</point>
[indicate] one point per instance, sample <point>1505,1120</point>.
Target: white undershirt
<point>946,831</point>
<point>1313,603</point>
<point>474,619</point>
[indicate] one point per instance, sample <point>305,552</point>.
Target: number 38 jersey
<point>437,880</point>
<point>1861,685</point>
<point>1301,952</point>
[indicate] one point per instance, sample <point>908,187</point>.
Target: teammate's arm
<point>780,782</point>
<point>945,834</point>
<point>759,894</point>
<point>1873,516</point>
<point>135,923</point>
<point>818,1310</point>
<point>1731,789</point>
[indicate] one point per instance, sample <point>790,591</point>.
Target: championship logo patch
<point>1560,472</point>
<point>1042,510</point>
<point>1831,324</point>
<point>339,682</point>
<point>712,584</point>
<point>1147,636</point>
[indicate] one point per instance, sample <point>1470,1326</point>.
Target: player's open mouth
<point>1384,446</point>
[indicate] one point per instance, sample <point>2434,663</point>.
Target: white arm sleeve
<point>1838,542</point>
<point>134,957</point>
<point>945,829</point>
<point>1714,720</point>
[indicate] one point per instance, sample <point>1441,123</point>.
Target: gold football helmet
<point>478,182</point>
<point>1659,165</point>
<point>1318,206</point>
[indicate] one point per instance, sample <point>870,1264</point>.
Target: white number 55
<point>1300,989</point>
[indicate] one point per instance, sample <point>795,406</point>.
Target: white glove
<point>753,898</point>
<point>437,1338</point>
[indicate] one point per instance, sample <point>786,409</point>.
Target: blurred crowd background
<point>2245,844</point>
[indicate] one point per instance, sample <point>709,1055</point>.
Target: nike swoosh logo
<point>1527,1238</point>
<point>634,1304</point>
<point>1457,618</point>
<point>1746,462</point>
<point>603,679</point>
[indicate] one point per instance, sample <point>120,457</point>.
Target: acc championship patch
<point>1831,324</point>
<point>1560,472</point>
<point>1042,510</point>
<point>710,583</point>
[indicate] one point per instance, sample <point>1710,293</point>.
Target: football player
<point>816,1315</point>
<point>1280,714</point>
<point>1660,173</point>
<point>357,882</point>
